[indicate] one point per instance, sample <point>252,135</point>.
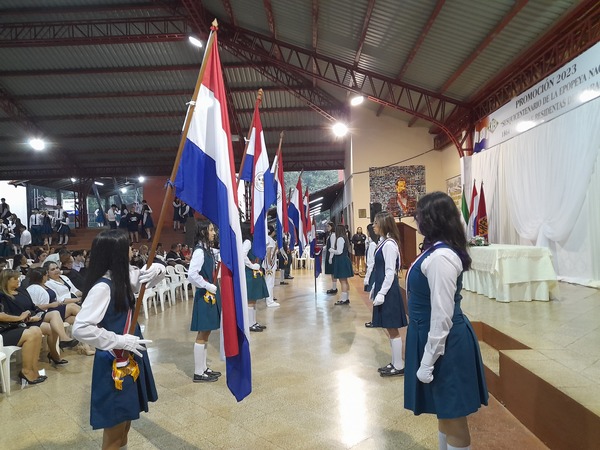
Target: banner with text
<point>574,84</point>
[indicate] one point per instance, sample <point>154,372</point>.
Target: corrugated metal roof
<point>393,31</point>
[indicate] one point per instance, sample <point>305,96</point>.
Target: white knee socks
<point>251,315</point>
<point>334,284</point>
<point>199,359</point>
<point>397,360</point>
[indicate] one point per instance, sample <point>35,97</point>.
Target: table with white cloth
<point>512,273</point>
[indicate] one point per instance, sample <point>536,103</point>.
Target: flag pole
<point>256,106</point>
<point>170,186</point>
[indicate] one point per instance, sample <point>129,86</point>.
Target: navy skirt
<point>109,406</point>
<point>205,316</point>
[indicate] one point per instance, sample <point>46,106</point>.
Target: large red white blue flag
<point>263,189</point>
<point>206,181</point>
<point>296,214</point>
<point>282,211</point>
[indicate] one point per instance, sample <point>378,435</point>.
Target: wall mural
<point>396,189</point>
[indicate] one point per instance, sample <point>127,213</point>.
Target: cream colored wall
<point>384,140</point>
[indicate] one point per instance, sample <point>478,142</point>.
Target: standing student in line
<point>63,231</point>
<point>206,315</point>
<point>147,222</point>
<point>444,369</point>
<point>270,266</point>
<point>388,306</point>
<point>339,258</point>
<point>103,322</point>
<point>329,243</point>
<point>372,241</point>
<point>255,281</point>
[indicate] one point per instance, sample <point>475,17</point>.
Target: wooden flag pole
<point>259,96</point>
<point>170,187</point>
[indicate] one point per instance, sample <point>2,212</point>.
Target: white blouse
<point>194,270</point>
<point>38,294</point>
<point>63,291</point>
<point>442,269</point>
<point>94,308</point>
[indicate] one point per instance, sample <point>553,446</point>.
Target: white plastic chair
<point>183,274</point>
<point>8,352</point>
<point>149,294</point>
<point>160,289</point>
<point>5,376</point>
<point>175,282</point>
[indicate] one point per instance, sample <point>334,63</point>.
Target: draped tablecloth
<point>512,273</point>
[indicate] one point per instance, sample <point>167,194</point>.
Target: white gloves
<point>211,288</point>
<point>425,373</point>
<point>379,299</point>
<point>152,275</point>
<point>132,343</point>
<point>255,267</point>
<point>331,258</point>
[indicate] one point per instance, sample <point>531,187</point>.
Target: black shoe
<point>264,327</point>
<point>283,282</point>
<point>331,291</point>
<point>57,362</point>
<point>289,277</point>
<point>393,372</point>
<point>342,302</point>
<point>385,368</point>
<point>369,324</point>
<point>204,378</point>
<point>26,380</point>
<point>256,328</point>
<point>212,373</point>
<point>68,344</point>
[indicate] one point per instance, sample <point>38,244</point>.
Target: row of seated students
<point>41,292</point>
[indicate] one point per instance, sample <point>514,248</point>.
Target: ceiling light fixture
<point>357,100</point>
<point>37,144</point>
<point>195,42</point>
<point>141,179</point>
<point>98,183</point>
<point>316,200</point>
<point>340,129</point>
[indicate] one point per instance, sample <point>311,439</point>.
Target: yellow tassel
<point>210,298</point>
<point>118,373</point>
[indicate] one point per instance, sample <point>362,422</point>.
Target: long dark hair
<point>202,234</point>
<point>340,232</point>
<point>246,234</point>
<point>110,251</point>
<point>372,234</point>
<point>439,220</point>
<point>36,275</point>
<point>387,226</point>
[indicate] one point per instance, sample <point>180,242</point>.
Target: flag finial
<point>215,24</point>
<point>260,94</point>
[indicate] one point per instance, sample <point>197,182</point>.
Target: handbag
<point>7,326</point>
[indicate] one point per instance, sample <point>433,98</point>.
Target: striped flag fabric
<point>206,181</point>
<point>282,210</point>
<point>315,249</point>
<point>464,209</point>
<point>263,190</point>
<point>307,221</point>
<point>482,220</point>
<point>472,224</point>
<point>296,214</point>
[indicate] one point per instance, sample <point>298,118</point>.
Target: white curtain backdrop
<point>543,188</point>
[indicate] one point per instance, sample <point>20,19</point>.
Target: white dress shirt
<point>442,269</point>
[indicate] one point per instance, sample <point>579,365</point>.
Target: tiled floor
<point>315,383</point>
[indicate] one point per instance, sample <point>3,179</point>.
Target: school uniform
<point>100,325</point>
<point>458,388</point>
<point>255,281</point>
<point>206,314</point>
<point>391,313</point>
<point>342,265</point>
<point>330,242</point>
